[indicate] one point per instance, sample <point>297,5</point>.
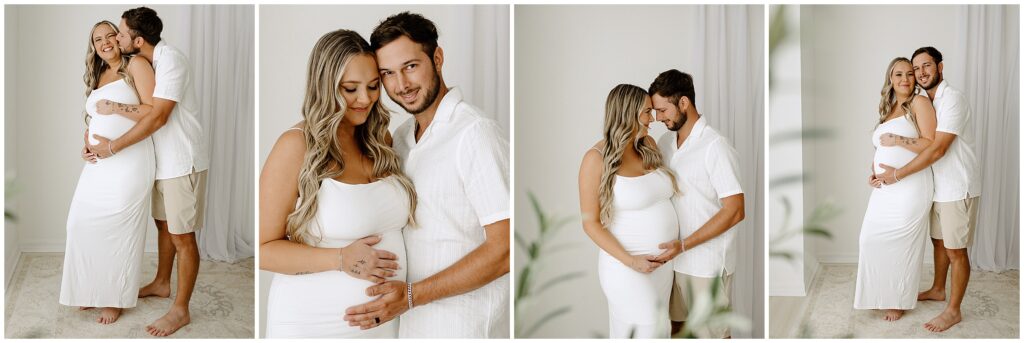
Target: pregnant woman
<point>895,228</point>
<point>106,229</point>
<point>339,167</point>
<point>626,202</point>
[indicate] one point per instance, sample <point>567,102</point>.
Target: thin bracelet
<point>894,175</point>
<point>408,293</point>
<point>109,148</point>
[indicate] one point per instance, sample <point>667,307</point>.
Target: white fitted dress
<point>642,218</point>
<point>313,305</point>
<point>895,229</point>
<point>110,211</point>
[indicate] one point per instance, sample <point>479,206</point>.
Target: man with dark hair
<point>179,193</point>
<point>458,256</point>
<point>956,172</point>
<point>711,203</point>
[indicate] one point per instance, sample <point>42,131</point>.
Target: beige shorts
<point>181,202</point>
<point>679,302</point>
<point>953,222</point>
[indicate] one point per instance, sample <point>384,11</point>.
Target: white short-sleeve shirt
<point>181,143</point>
<point>460,168</point>
<point>957,172</point>
<point>706,170</point>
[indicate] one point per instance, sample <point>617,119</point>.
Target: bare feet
<point>83,308</point>
<point>943,321</point>
<point>932,294</point>
<point>108,315</point>
<point>155,289</point>
<point>893,315</point>
<point>175,319</point>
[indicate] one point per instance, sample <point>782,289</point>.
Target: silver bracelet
<point>408,293</point>
<point>894,175</point>
<point>109,148</point>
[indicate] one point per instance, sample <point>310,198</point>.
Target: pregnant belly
<point>321,298</point>
<point>109,126</point>
<point>641,231</point>
<point>895,157</point>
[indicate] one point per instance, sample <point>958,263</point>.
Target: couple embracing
<point>660,212</point>
<point>926,179</point>
<point>147,158</point>
<point>374,235</point>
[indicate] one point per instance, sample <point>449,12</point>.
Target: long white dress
<point>643,217</point>
<point>313,305</point>
<point>895,230</point>
<point>106,228</point>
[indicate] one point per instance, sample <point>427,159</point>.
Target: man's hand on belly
<point>391,304</point>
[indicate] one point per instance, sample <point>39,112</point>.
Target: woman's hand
<point>888,139</point>
<point>88,156</point>
<point>643,263</point>
<point>362,261</point>
<point>874,181</point>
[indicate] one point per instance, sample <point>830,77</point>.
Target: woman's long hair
<point>889,101</point>
<point>323,110</point>
<point>95,65</point>
<point>621,127</point>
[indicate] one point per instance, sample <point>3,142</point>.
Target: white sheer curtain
<point>990,42</point>
<point>730,93</point>
<point>221,51</point>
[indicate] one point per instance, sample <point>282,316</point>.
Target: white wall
<point>475,40</point>
<point>848,49</point>
<point>567,60</point>
<point>48,115</point>
<point>11,248</point>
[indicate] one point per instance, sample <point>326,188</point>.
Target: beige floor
<point>991,309</point>
<point>222,303</point>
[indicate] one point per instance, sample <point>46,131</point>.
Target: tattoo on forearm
<point>127,108</point>
<point>908,141</point>
<point>355,271</point>
<point>303,273</point>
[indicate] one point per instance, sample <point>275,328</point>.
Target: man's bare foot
<point>108,315</point>
<point>175,319</point>
<point>943,321</point>
<point>932,294</point>
<point>83,308</point>
<point>893,315</point>
<point>154,289</point>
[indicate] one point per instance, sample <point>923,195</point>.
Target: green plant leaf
<point>559,279</point>
<point>545,319</point>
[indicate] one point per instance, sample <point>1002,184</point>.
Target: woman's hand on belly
<point>360,260</point>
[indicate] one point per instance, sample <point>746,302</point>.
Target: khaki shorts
<point>181,202</point>
<point>953,222</point>
<point>699,286</point>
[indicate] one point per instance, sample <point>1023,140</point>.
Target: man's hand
<point>672,249</point>
<point>103,149</point>
<point>360,260</point>
<point>874,181</point>
<point>888,176</point>
<point>105,106</point>
<point>643,263</point>
<point>393,302</point>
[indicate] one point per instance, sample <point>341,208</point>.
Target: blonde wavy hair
<point>323,110</point>
<point>95,66</point>
<point>889,101</point>
<point>621,131</point>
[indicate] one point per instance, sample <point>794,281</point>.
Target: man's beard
<point>935,82</point>
<point>432,90</point>
<point>128,51</point>
<point>681,122</point>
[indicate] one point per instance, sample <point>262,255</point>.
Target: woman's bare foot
<point>83,308</point>
<point>893,315</point>
<point>108,315</point>
<point>155,289</point>
<point>175,319</point>
<point>932,294</point>
<point>943,321</point>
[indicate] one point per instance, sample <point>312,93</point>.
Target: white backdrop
<point>563,75</point>
<point>45,123</point>
<point>475,40</point>
<point>844,66</point>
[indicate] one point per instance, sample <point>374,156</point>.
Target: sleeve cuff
<point>493,218</point>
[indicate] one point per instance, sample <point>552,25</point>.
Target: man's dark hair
<point>673,84</point>
<point>933,52</point>
<point>419,29</point>
<point>143,22</point>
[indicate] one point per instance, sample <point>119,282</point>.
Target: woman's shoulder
<point>594,155</point>
<point>139,63</point>
<point>293,140</point>
<point>920,100</point>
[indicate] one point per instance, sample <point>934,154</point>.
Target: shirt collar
<point>446,108</point>
<point>695,133</point>
<point>158,49</point>
<point>941,88</point>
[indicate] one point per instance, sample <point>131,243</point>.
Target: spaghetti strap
<point>294,128</point>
